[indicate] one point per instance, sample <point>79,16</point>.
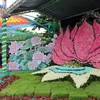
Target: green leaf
<point>42,65</point>
<point>20,60</point>
<point>21,52</point>
<point>44,50</point>
<point>13,57</point>
<point>25,67</point>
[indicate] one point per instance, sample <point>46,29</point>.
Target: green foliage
<point>12,92</point>
<point>48,23</point>
<point>13,57</point>
<point>93,89</point>
<point>44,49</point>
<point>60,89</point>
<point>43,89</point>
<point>78,94</point>
<point>17,87</point>
<point>57,84</point>
<point>59,93</point>
<point>28,55</point>
<point>42,65</point>
<point>21,91</point>
<point>29,91</point>
<point>5,91</point>
<point>31,84</point>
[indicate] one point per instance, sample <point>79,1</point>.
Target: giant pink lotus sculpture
<point>81,44</point>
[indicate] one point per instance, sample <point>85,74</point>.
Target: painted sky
<point>10,2</point>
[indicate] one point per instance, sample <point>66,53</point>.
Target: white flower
<point>79,80</point>
<point>55,36</point>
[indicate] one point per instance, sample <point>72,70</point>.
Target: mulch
<point>10,79</point>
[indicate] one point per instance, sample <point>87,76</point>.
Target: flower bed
<point>56,90</point>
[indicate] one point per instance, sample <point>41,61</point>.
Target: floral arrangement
<point>81,44</point>
<point>31,54</point>
<point>75,49</point>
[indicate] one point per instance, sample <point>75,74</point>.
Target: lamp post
<point>4,38</point>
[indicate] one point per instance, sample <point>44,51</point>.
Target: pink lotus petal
<point>96,65</point>
<point>83,40</point>
<point>95,60</point>
<point>56,59</point>
<point>95,48</point>
<point>73,32</point>
<point>96,27</point>
<point>58,48</point>
<point>97,51</point>
<point>67,45</point>
<point>95,45</point>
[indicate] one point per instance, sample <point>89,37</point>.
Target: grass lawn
<point>29,84</point>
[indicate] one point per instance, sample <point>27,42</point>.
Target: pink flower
<point>81,44</point>
<point>13,65</point>
<point>36,40</point>
<point>14,47</point>
<point>39,56</point>
<point>32,65</point>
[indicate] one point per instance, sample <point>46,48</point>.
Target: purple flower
<point>36,40</point>
<point>50,46</point>
<point>48,58</point>
<point>32,65</point>
<point>39,57</point>
<point>13,65</point>
<point>14,47</point>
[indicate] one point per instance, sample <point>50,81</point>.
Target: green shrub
<point>57,84</point>
<point>59,93</point>
<point>43,89</point>
<point>9,90</point>
<point>21,91</point>
<point>78,94</point>
<point>67,83</point>
<point>30,90</point>
<point>44,92</point>
<point>12,92</point>
<point>93,89</point>
<point>4,92</point>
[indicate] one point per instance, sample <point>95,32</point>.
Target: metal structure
<point>59,9</point>
<point>29,5</point>
<point>15,5</point>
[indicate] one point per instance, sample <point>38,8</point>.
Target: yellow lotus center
<point>14,47</point>
<point>39,55</point>
<point>13,65</point>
